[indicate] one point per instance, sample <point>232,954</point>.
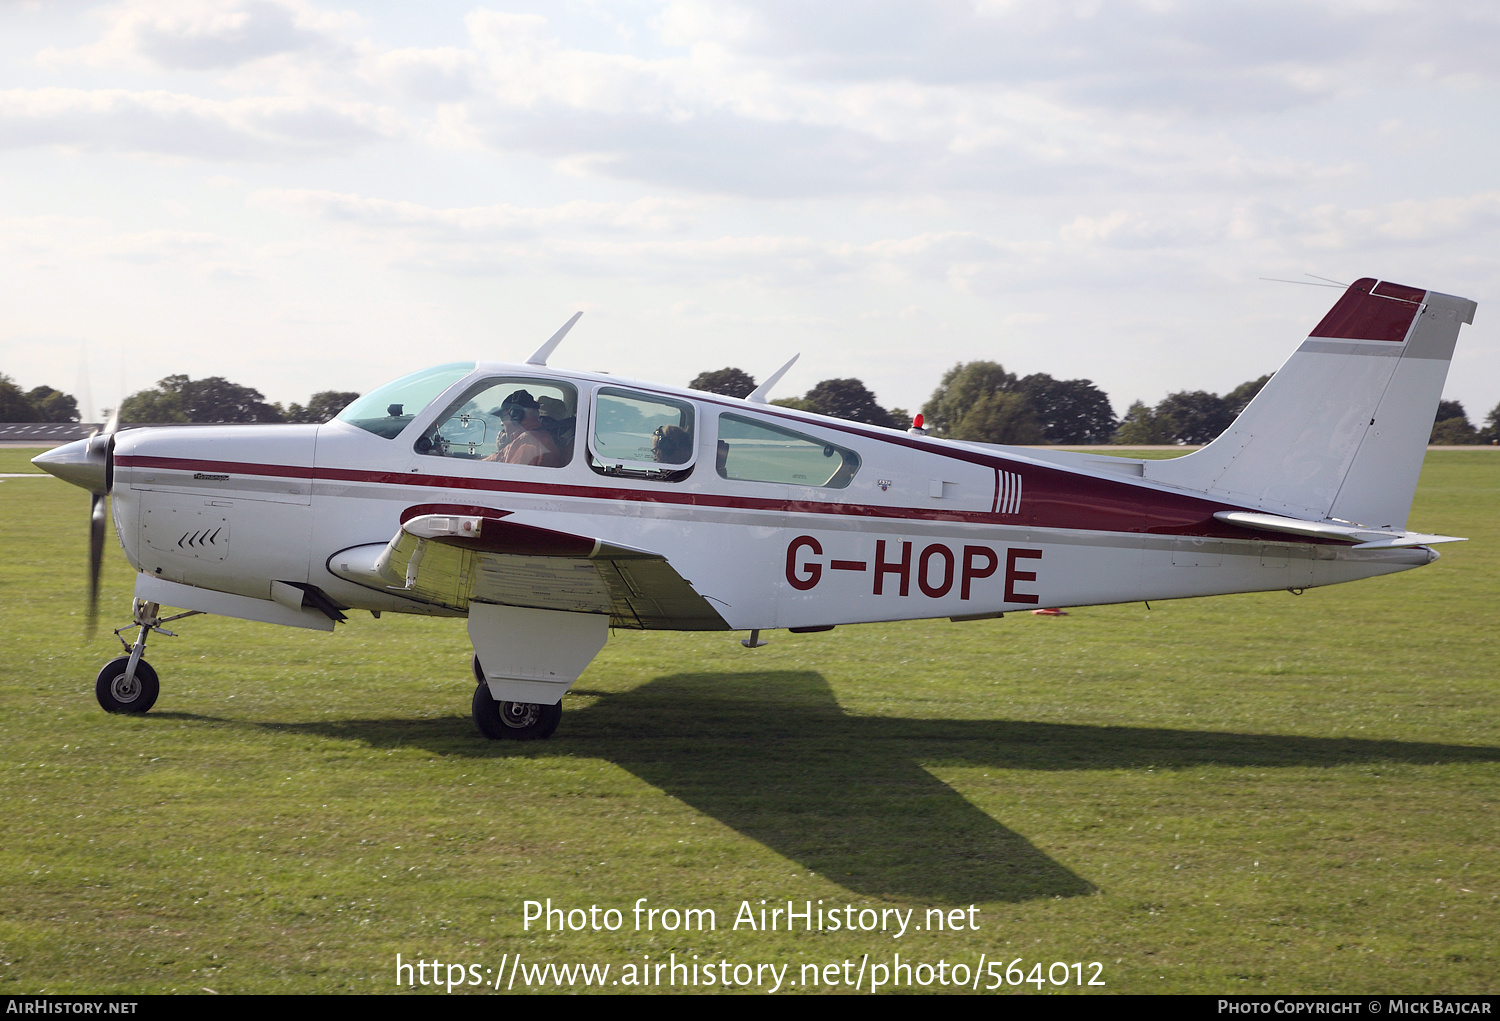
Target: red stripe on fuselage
<point>1054,499</point>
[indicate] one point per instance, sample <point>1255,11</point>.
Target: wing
<point>475,555</point>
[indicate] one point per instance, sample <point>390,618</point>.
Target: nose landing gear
<point>128,684</point>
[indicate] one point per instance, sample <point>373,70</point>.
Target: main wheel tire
<point>513,721</point>
<point>115,696</point>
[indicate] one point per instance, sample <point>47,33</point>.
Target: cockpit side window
<point>641,435</point>
<point>751,451</point>
<point>508,420</point>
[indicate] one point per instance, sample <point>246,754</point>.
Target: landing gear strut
<point>511,721</point>
<point>128,684</point>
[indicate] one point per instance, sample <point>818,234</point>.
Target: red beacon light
<point>916,426</point>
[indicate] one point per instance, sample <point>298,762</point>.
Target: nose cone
<point>84,463</point>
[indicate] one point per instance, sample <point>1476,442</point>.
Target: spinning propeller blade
<point>88,463</point>
<point>96,557</point>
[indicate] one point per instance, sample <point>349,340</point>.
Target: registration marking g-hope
<point>936,569</point>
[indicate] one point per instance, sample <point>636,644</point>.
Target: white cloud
<point>158,246</point>
<point>1409,222</point>
<point>173,124</point>
<point>1228,57</point>
<point>198,35</point>
<point>495,221</point>
<point>764,105</point>
<point>1032,173</point>
<point>434,75</point>
<point>647,238</point>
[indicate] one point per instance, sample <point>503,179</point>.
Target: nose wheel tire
<point>116,695</point>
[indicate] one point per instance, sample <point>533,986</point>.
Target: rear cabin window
<point>642,436</point>
<point>750,451</point>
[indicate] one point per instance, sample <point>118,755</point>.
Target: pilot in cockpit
<point>524,440</point>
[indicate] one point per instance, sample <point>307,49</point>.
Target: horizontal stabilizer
<point>1364,538</point>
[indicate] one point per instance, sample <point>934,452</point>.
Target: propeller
<point>89,464</point>
<point>101,448</point>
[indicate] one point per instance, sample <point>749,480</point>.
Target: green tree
<point>999,418</point>
<point>1142,428</point>
<point>1450,409</point>
<point>213,399</point>
<point>960,391</point>
<point>322,407</point>
<point>1069,410</point>
<point>1451,425</point>
<point>163,403</point>
<point>1453,431</point>
<point>850,400</point>
<point>1238,398</point>
<point>53,405</point>
<point>1491,432</point>
<point>14,407</point>
<point>1197,416</point>
<point>730,382</point>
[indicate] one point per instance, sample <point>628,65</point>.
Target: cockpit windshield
<point>389,409</point>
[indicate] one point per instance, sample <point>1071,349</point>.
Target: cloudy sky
<point>304,196</point>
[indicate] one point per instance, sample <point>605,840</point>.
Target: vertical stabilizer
<point>1340,431</point>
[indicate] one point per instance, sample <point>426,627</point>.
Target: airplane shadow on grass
<point>773,756</point>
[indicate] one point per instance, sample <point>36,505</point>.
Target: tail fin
<point>1340,431</point>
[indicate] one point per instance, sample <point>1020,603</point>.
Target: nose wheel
<point>512,721</point>
<point>120,691</point>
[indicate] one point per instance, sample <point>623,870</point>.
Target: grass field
<point>1249,794</point>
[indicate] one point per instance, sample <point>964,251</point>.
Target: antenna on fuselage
<point>540,356</point>
<point>763,391</point>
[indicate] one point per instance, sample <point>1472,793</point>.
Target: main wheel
<point>116,696</point>
<point>513,721</point>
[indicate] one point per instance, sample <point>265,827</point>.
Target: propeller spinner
<point>88,464</point>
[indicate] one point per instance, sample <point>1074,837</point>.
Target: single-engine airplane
<point>547,506</point>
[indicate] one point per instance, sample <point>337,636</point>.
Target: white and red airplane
<point>547,506</point>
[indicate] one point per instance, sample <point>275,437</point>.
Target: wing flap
<point>453,559</point>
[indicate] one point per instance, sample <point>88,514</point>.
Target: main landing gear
<point>511,721</point>
<point>128,684</point>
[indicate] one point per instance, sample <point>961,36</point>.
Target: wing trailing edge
<point>476,555</point>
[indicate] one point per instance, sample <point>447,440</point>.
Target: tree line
<point>174,399</point>
<point>978,401</point>
<point>41,404</point>
<point>216,399</point>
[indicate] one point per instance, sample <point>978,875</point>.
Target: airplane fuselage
<point>920,528</point>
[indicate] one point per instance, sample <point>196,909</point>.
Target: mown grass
<point>1258,793</point>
